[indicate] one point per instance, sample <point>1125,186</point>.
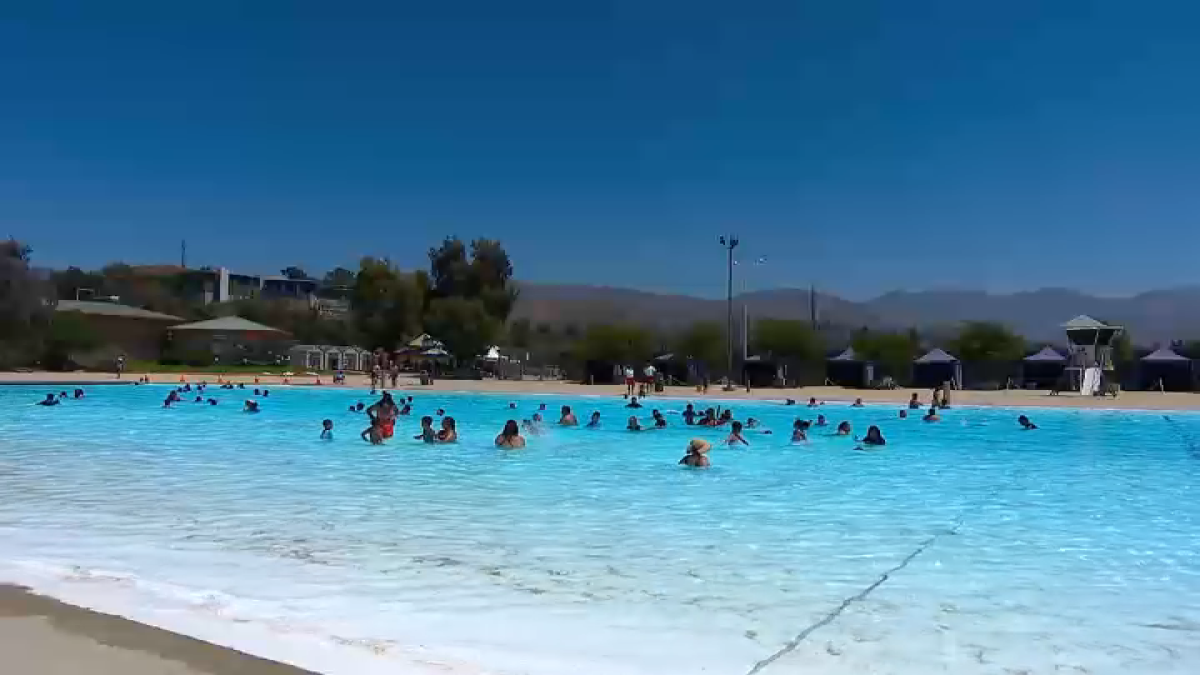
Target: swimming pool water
<point>967,546</point>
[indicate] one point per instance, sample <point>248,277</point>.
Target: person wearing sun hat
<point>697,454</point>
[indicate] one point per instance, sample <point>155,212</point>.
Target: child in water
<point>449,432</point>
<point>843,429</point>
<point>427,434</point>
<point>697,454</point>
<point>735,435</point>
<point>374,433</point>
<point>327,430</point>
<point>1025,423</point>
<point>633,424</point>
<point>595,421</point>
<point>798,434</point>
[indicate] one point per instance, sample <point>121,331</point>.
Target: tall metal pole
<point>729,243</point>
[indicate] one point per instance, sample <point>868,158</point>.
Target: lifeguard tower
<point>1090,353</point>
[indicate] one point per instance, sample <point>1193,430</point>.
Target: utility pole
<point>729,243</point>
<point>183,253</point>
<point>812,305</point>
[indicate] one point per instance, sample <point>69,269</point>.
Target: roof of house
<point>1047,355</point>
<point>848,355</point>
<point>1083,322</point>
<point>1164,354</point>
<point>228,323</point>
<point>937,355</point>
<point>112,309</point>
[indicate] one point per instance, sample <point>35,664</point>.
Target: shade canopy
<point>937,355</point>
<point>228,324</point>
<point>1085,322</point>
<point>1164,355</point>
<point>1046,355</point>
<point>848,356</point>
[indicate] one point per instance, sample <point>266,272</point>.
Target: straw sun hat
<point>699,446</point>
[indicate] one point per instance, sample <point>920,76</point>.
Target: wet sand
<point>42,636</point>
<point>1129,400</point>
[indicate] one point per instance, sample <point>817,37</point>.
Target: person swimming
<point>327,430</point>
<point>266,392</point>
<point>441,412</point>
<point>1025,423</point>
<point>78,393</point>
<point>595,421</point>
<point>914,403</point>
<point>359,406</point>
<point>697,454</point>
<point>449,432</point>
<point>735,435</point>
<point>798,432</point>
<point>512,405</point>
<point>812,402</point>
<point>568,418</point>
<point>789,401</point>
<point>633,424</point>
<point>212,401</point>
<point>903,414</point>
<point>660,422</point>
<point>843,429</point>
<point>874,436</point>
<point>510,437</point>
<point>250,406</point>
<point>633,403</point>
<point>51,399</point>
<point>541,407</point>
<point>857,403</point>
<point>751,423</point>
<point>530,428</point>
<point>427,434</point>
<point>710,418</point>
<point>690,414</point>
<point>932,415</point>
<point>257,392</point>
<point>821,422</point>
<point>198,399</point>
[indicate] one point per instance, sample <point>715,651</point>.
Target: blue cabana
<point>849,370</point>
<point>936,368</point>
<point>1044,369</point>
<point>1165,370</point>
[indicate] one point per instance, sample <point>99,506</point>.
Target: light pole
<point>761,260</point>
<point>729,243</point>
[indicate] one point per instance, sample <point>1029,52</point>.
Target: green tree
<point>893,352</point>
<point>67,335</point>
<point>980,341</point>
<point>520,334</point>
<point>464,325</point>
<point>73,283</point>
<point>387,304</point>
<point>339,277</point>
<point>615,343</point>
<point>26,305</point>
<point>703,341</point>
<point>294,272</point>
<point>787,338</point>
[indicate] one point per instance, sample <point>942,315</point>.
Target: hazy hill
<point>1153,316</point>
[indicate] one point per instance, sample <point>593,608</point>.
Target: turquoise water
<point>967,546</point>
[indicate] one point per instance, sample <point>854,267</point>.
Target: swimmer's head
<point>327,425</point>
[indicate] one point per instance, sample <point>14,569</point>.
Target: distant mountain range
<point>1151,317</point>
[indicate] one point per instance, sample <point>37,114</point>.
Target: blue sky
<point>863,146</point>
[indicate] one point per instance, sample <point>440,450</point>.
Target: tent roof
<point>1084,322</point>
<point>848,355</point>
<point>1047,355</point>
<point>937,355</point>
<point>229,323</point>
<point>96,308</point>
<point>1163,354</point>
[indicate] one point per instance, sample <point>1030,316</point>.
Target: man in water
<point>660,422</point>
<point>595,421</point>
<point>251,406</point>
<point>914,403</point>
<point>327,430</point>
<point>689,414</point>
<point>633,403</point>
<point>50,399</point>
<point>428,435</point>
<point>568,418</point>
<point>1025,423</point>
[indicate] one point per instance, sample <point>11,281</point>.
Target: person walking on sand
<point>120,366</point>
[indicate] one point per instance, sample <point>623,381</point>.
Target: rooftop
<point>112,309</point>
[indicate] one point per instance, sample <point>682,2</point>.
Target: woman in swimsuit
<point>697,454</point>
<point>510,437</point>
<point>874,437</point>
<point>735,435</point>
<point>449,432</point>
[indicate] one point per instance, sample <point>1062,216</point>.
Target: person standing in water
<point>595,421</point>
<point>689,414</point>
<point>697,454</point>
<point>449,432</point>
<point>510,437</point>
<point>735,435</point>
<point>427,434</point>
<point>932,415</point>
<point>914,403</point>
<point>798,433</point>
<point>874,436</point>
<point>1026,425</point>
<point>568,418</point>
<point>385,411</point>
<point>327,430</point>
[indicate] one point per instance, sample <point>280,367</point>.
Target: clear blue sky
<point>865,146</point>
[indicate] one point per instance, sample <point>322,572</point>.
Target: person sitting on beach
<point>427,434</point>
<point>857,403</point>
<point>568,418</point>
<point>374,433</point>
<point>327,430</point>
<point>251,406</point>
<point>697,454</point>
<point>449,432</point>
<point>874,436</point>
<point>689,414</point>
<point>594,422</point>
<point>735,435</point>
<point>821,421</point>
<point>932,415</point>
<point>660,422</point>
<point>51,399</point>
<point>1025,423</point>
<point>510,437</point>
<point>812,402</point>
<point>633,403</point>
<point>633,424</point>
<point>798,433</point>
<point>914,403</point>
<point>843,429</point>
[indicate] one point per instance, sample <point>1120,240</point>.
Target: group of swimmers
<point>52,399</point>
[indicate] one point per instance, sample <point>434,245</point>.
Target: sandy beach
<point>1129,400</point>
<point>42,636</point>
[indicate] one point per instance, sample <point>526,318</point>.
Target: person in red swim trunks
<point>384,411</point>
